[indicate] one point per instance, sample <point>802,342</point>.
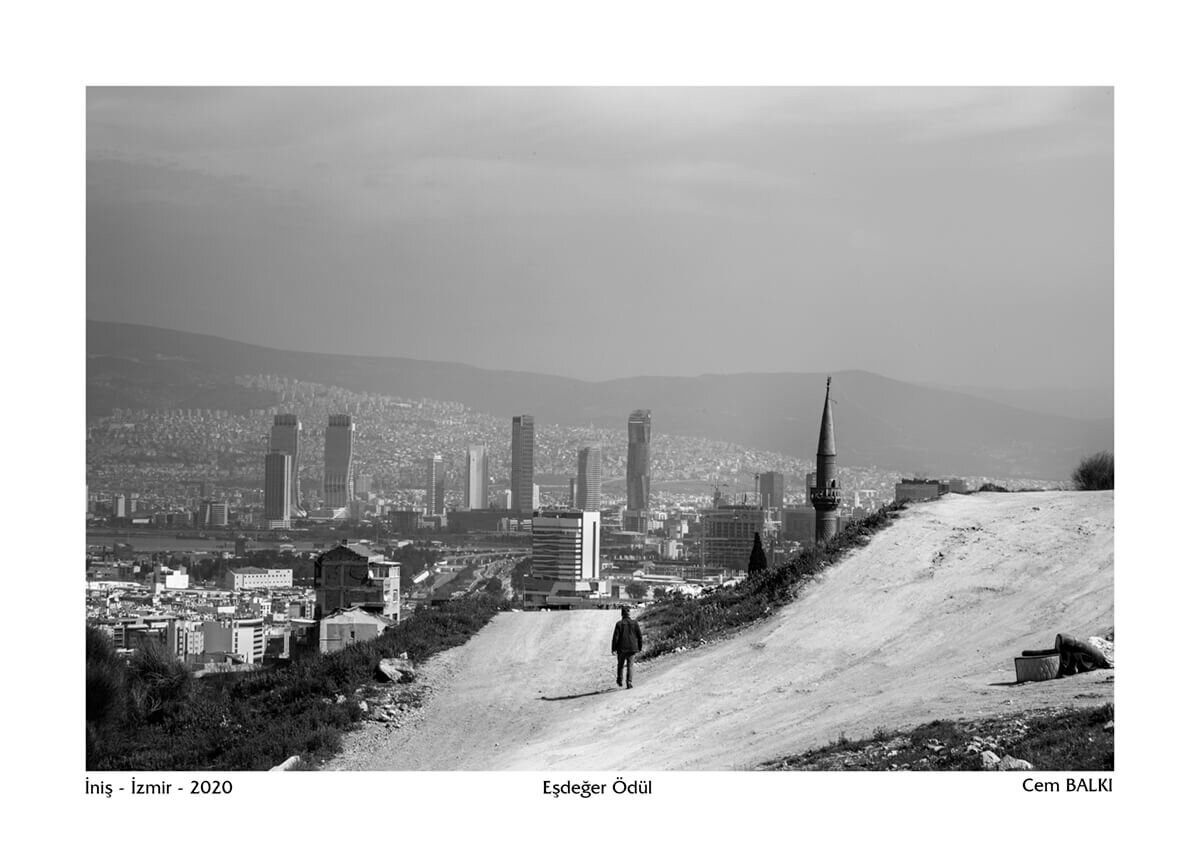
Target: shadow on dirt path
<point>578,695</point>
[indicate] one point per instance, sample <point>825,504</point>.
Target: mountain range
<point>878,420</point>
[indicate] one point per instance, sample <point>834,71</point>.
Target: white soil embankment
<point>920,624</point>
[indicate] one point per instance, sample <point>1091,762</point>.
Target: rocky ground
<point>994,743</point>
<point>391,707</point>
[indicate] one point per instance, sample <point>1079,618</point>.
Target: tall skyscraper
<point>339,461</point>
<point>435,486</point>
<point>475,477</point>
<point>522,464</point>
<point>637,464</point>
<point>587,480</point>
<point>277,490</point>
<point>825,496</point>
<point>770,489</point>
<point>285,437</point>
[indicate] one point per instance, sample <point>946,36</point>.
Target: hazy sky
<point>951,235</point>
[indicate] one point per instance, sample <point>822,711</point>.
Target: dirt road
<point>920,624</point>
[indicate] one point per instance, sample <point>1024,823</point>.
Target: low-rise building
<point>250,577</point>
<point>349,575</point>
<point>244,638</point>
<point>919,490</point>
<point>346,627</point>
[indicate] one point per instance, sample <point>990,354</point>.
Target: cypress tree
<point>758,557</point>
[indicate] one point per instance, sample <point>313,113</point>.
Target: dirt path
<point>920,624</point>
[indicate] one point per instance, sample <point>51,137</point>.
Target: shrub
<point>105,678</point>
<point>158,682</point>
<point>104,690</point>
<point>1094,473</point>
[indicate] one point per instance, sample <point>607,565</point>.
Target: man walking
<point>626,642</point>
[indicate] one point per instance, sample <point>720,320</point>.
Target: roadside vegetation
<point>1094,473</point>
<point>1052,740</point>
<point>152,714</point>
<point>681,622</point>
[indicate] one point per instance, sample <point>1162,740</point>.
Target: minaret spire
<point>825,495</point>
<point>825,445</point>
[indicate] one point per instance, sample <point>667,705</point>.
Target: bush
<point>104,690</point>
<point>1094,473</point>
<point>158,683</point>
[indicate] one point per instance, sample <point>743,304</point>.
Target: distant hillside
<point>879,421</point>
<point>1087,403</point>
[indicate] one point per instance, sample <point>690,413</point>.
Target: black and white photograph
<point>600,428</point>
<point>656,427</point>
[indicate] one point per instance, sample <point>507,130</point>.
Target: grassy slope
<point>682,622</point>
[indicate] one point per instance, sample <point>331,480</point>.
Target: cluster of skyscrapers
<point>281,494</point>
<point>282,470</point>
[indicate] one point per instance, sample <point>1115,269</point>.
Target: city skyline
<point>919,205</point>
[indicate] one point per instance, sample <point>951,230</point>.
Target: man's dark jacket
<point>627,637</point>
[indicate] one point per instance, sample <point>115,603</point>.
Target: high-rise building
<point>566,545</point>
<point>212,513</point>
<point>727,535</point>
<point>435,486</point>
<point>770,489</point>
<point>637,463</point>
<point>825,496</point>
<point>475,477</point>
<point>285,437</point>
<point>522,464</point>
<point>587,479</point>
<point>277,488</point>
<point>339,461</point>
